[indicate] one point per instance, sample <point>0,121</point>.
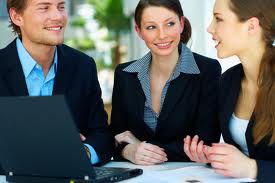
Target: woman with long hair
<point>245,28</point>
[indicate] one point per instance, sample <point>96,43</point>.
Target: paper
<point>197,174</point>
<point>193,174</point>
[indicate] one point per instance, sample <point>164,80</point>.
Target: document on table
<point>193,174</point>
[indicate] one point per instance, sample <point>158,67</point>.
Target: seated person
<point>36,63</point>
<point>167,94</point>
<point>247,92</point>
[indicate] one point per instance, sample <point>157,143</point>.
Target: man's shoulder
<point>72,52</point>
<point>75,56</point>
<point>7,56</point>
<point>8,48</point>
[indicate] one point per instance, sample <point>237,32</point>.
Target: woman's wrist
<point>124,152</point>
<point>253,169</point>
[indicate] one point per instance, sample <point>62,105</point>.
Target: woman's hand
<point>127,137</point>
<point>144,153</point>
<point>195,150</point>
<point>229,161</point>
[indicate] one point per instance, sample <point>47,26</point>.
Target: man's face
<point>43,22</point>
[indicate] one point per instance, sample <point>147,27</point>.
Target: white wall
<point>6,35</point>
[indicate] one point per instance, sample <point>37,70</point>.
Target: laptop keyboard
<point>2,172</point>
<point>103,172</point>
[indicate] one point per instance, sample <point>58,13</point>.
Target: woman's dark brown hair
<point>173,5</point>
<point>265,104</point>
<point>18,6</point>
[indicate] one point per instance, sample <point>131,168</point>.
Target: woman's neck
<point>163,66</point>
<point>251,61</point>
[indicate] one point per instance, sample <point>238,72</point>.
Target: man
<point>36,63</point>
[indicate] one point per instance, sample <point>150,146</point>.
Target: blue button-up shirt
<point>186,64</point>
<point>38,84</point>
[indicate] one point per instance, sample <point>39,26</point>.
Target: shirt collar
<point>27,62</point>
<point>186,64</point>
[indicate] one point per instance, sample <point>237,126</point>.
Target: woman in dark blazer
<point>247,91</point>
<point>167,94</point>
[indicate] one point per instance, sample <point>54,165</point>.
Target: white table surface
<point>165,166</point>
<point>146,169</point>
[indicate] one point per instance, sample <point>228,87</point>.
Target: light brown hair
<point>19,6</point>
<point>265,104</point>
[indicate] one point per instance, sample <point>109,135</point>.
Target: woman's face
<point>161,30</point>
<point>230,35</point>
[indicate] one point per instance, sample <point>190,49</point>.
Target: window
<point>3,9</point>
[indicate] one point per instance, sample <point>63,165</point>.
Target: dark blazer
<point>189,108</point>
<point>76,78</point>
<point>263,154</point>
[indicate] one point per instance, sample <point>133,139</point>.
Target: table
<point>148,169</point>
<point>164,169</point>
<point>176,172</point>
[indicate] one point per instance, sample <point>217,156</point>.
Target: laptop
<point>40,143</point>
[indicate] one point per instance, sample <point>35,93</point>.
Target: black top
<point>189,108</point>
<point>263,153</point>
<point>76,78</point>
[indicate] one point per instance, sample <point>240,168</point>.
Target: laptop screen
<point>38,137</point>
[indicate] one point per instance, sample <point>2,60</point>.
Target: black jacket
<point>76,78</point>
<point>263,154</point>
<point>189,108</point>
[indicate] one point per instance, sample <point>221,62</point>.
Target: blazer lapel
<point>249,136</point>
<point>13,75</point>
<point>174,92</point>
<point>64,72</point>
<point>138,98</point>
<point>232,100</point>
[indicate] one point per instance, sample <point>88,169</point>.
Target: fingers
<point>195,150</point>
<point>217,165</point>
<point>119,138</point>
<point>229,161</point>
<point>206,151</point>
<point>82,137</point>
<point>186,147</point>
<point>154,149</point>
<point>149,154</point>
<point>217,158</point>
<point>223,172</point>
<point>201,156</point>
<point>150,160</point>
<point>126,136</point>
<point>153,153</point>
<point>144,154</point>
<point>193,147</point>
<point>221,149</point>
<point>224,146</point>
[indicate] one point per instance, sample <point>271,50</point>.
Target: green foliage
<point>109,14</point>
<point>101,64</point>
<point>78,22</point>
<point>82,44</point>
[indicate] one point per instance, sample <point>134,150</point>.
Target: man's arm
<point>98,136</point>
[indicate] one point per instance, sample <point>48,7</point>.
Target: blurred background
<point>104,29</point>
